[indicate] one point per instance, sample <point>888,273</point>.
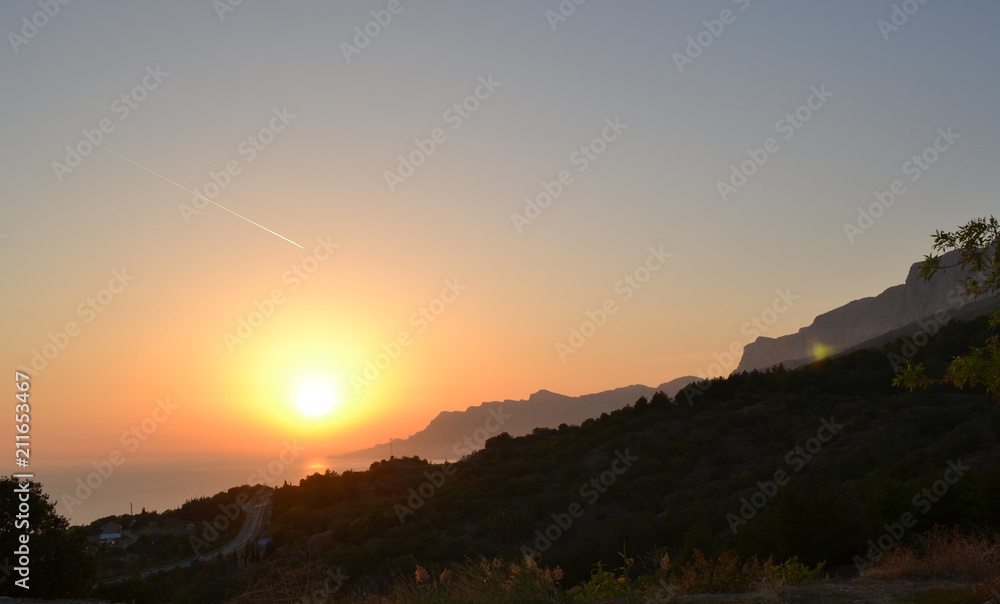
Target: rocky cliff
<point>865,319</point>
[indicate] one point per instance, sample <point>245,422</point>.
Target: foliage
<point>978,243</point>
<point>979,254</point>
<point>59,564</point>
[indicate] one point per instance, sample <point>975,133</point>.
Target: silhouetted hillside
<point>817,463</point>
<point>693,465</point>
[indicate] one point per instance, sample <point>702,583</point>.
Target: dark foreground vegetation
<point>755,482</point>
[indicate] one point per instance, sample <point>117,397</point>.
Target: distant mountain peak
<point>546,395</point>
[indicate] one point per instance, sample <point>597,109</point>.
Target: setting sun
<point>315,398</point>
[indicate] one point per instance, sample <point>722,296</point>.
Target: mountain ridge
<point>454,434</point>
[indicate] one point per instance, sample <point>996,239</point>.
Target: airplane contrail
<point>176,184</point>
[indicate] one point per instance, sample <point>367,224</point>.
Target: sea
<point>82,493</point>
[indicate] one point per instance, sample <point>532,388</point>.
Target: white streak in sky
<point>178,185</point>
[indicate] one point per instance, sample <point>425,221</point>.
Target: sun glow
<point>295,380</point>
<point>820,351</point>
<point>315,398</point>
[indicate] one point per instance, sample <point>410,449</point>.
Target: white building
<point>111,533</point>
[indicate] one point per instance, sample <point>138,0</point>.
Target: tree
<point>58,563</point>
<point>660,399</point>
<point>979,246</point>
<point>499,440</point>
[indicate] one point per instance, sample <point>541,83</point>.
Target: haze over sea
<point>165,484</point>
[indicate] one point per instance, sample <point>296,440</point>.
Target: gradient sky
<point>324,176</point>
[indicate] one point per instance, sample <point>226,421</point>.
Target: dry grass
<point>727,574</point>
<point>944,553</point>
<point>724,574</point>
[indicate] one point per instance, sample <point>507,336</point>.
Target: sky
<point>406,207</point>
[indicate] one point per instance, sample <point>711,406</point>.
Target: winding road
<point>258,511</point>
